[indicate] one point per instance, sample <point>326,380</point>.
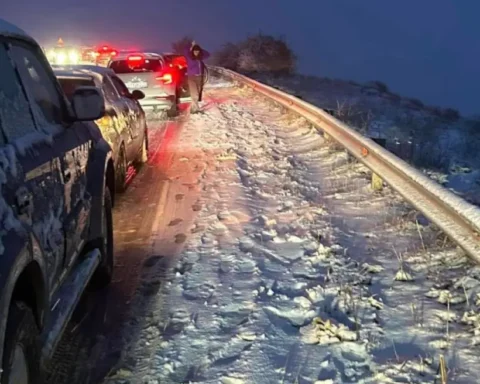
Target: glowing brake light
<point>166,78</point>
<point>113,53</point>
<point>135,58</point>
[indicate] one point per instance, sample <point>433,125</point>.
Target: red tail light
<point>165,78</point>
<point>135,58</point>
<point>113,53</point>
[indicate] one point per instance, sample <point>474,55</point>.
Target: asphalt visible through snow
<point>251,250</point>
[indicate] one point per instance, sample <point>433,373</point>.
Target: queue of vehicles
<point>161,77</point>
<point>68,134</point>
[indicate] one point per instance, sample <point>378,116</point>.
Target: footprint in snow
<point>180,238</point>
<point>196,207</point>
<point>175,222</point>
<point>151,261</point>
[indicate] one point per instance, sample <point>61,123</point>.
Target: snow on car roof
<point>67,73</point>
<point>92,70</point>
<point>8,29</point>
<point>147,55</point>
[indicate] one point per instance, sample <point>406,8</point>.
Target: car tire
<point>103,275</point>
<point>121,171</point>
<point>173,111</point>
<point>21,355</point>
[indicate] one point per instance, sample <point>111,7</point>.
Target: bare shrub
<point>258,54</point>
<point>393,97</point>
<point>378,85</point>
<point>431,156</point>
<point>227,56</point>
<point>450,114</point>
<point>415,103</point>
<point>179,46</point>
<point>353,116</point>
<point>473,126</point>
<point>447,114</point>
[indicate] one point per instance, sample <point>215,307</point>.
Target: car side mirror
<point>88,104</point>
<point>137,95</point>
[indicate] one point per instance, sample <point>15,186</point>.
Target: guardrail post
<point>377,181</point>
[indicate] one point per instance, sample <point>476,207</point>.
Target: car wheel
<point>121,171</point>
<point>173,111</point>
<point>103,275</point>
<point>21,356</point>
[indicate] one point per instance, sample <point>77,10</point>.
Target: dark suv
<point>56,179</point>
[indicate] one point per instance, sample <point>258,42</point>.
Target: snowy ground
<point>446,148</point>
<point>293,270</point>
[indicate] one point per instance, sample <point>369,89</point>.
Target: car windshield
<point>128,66</point>
<point>69,85</point>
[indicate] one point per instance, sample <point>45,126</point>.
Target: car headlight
<point>51,55</point>
<point>61,58</point>
<point>73,56</point>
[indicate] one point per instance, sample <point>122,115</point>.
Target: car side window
<point>40,86</point>
<point>16,118</point>
<point>109,90</point>
<point>120,86</point>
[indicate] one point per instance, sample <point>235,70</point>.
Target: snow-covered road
<point>260,255</point>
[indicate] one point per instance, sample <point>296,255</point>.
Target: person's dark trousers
<point>200,93</point>
<point>195,84</point>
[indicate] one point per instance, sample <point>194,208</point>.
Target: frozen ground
<point>292,269</point>
<point>446,147</point>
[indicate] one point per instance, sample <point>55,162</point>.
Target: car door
<point>134,112</point>
<point>70,144</point>
<point>33,168</point>
<point>117,126</point>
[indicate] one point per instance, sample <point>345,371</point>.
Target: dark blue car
<point>56,181</point>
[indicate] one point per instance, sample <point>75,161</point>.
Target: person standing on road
<point>195,73</point>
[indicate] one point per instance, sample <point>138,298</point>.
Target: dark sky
<point>428,49</point>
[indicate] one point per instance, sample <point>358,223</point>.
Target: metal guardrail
<point>457,218</point>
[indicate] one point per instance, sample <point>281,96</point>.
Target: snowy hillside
<point>436,140</point>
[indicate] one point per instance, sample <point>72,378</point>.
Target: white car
<point>149,73</point>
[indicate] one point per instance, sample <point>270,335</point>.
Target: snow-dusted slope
<point>442,144</point>
<point>294,271</point>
